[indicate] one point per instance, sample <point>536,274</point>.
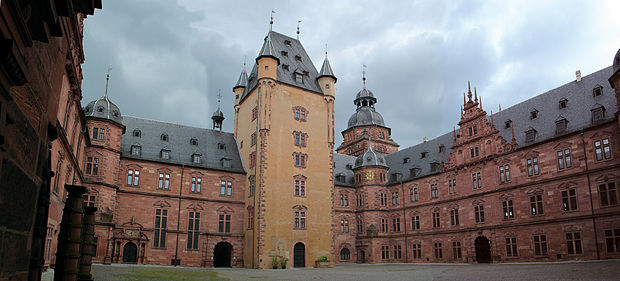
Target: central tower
<point>284,123</point>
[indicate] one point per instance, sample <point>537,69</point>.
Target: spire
<point>298,22</point>
<point>107,80</point>
<point>468,90</point>
<point>476,95</point>
<point>480,99</point>
<point>267,50</point>
<point>326,69</point>
<point>242,82</point>
<point>364,75</point>
<point>464,100</point>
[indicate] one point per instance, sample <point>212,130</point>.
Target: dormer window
<point>563,103</point>
<point>598,113</point>
<point>164,137</point>
<point>287,42</point>
<point>137,133</point>
<point>423,155</point>
<point>508,124</point>
<point>298,58</point>
<point>193,141</point>
<point>225,162</point>
<point>340,178</point>
<point>299,78</point>
<point>597,91</point>
<point>221,146</point>
<point>405,160</point>
<point>349,166</point>
<point>165,154</point>
<point>414,172</point>
<point>284,53</point>
<point>136,150</point>
<point>434,167</point>
<point>560,125</point>
<point>285,67</point>
<point>196,158</point>
<point>534,114</point>
<point>530,135</point>
<point>306,73</point>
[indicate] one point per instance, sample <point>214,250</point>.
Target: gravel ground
<point>587,270</point>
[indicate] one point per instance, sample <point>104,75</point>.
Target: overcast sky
<point>170,58</point>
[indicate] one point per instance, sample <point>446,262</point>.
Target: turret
<point>267,61</point>
<point>326,78</point>
<point>242,83</point>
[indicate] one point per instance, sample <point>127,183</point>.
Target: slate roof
<point>326,69</point>
<point>369,158</point>
<point>179,144</point>
<point>364,116</point>
<point>103,108</point>
<point>293,50</point>
<point>341,161</point>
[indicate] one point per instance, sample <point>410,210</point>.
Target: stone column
<point>69,238</point>
<point>88,244</point>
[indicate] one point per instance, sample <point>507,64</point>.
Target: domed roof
<point>616,64</point>
<point>364,116</point>
<point>369,158</point>
<point>364,93</point>
<point>105,109</point>
<point>218,113</point>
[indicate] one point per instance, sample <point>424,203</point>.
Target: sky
<point>169,59</point>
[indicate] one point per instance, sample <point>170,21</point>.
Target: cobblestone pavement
<point>588,270</point>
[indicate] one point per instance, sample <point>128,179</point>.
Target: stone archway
<point>130,253</point>
<point>222,253</point>
<point>299,255</point>
<point>483,249</point>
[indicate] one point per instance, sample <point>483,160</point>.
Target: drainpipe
<point>585,156</point>
<point>176,250</point>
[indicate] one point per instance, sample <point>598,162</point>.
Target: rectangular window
<point>540,245</point>
<point>396,224</point>
<point>251,219</point>
<point>564,160</point>
<point>252,160</point>
<point>385,252</point>
<point>511,247</point>
<point>504,173</point>
<point>129,177</point>
<point>417,251</point>
<point>395,200</point>
<point>384,225</point>
<point>536,204</point>
<point>454,217</point>
<point>95,166</point>
<point>101,134</point>
<point>95,133</point>
<point>452,186</point>
<point>300,188</point>
<point>436,221</point>
<point>135,150</point>
<point>136,178</point>
<point>573,243</point>
<point>193,230</point>
<point>383,199</point>
<point>476,180</point>
<point>569,200</point>
<point>224,223</point>
<point>397,252</point>
<point>253,139</point>
<point>608,194</point>
<point>89,165</point>
<point>252,186</point>
<point>438,251</point>
<point>508,209</point>
<point>358,198</point>
<point>479,213</point>
<point>612,239</point>
<point>434,191</point>
<point>196,183</point>
<point>360,226</point>
<point>222,188</point>
<point>415,222</point>
<point>167,182</point>
<point>300,220</point>
<point>254,113</point>
<point>161,219</point>
<point>456,250</point>
<point>532,167</point>
<point>602,149</point>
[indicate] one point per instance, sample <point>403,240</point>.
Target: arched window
<point>137,133</point>
<point>164,137</point>
<point>345,254</point>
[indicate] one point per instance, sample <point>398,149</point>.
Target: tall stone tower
<point>284,123</point>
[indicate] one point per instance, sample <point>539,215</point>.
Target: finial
<point>271,21</point>
<point>364,75</point>
<point>500,107</point>
<point>468,90</point>
<point>298,22</point>
<point>325,50</point>
<point>107,80</point>
<point>475,94</point>
<point>244,59</point>
<point>464,100</point>
<point>219,98</point>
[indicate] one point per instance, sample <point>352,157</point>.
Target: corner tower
<point>284,126</point>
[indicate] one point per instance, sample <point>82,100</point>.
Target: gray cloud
<point>170,58</point>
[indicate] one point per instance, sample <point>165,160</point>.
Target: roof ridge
<point>181,125</point>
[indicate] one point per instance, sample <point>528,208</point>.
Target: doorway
<point>222,254</point>
<point>362,257</point>
<point>483,250</point>
<point>130,252</point>
<point>299,255</point>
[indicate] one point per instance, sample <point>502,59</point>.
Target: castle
<point>533,182</point>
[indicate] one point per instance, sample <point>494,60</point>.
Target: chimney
<point>578,75</point>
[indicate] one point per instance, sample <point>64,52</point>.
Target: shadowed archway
<point>483,250</point>
<point>222,254</point>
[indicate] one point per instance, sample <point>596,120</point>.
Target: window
<point>254,113</point>
<point>470,131</point>
<point>384,225</point>
<point>344,226</point>
<point>224,223</point>
<point>300,187</point>
<point>137,133</point>
<point>456,250</point>
<point>560,126</point>
<point>161,218</point>
<point>434,191</point>
<point>89,165</point>
<point>345,254</point>
<point>597,91</point>
<point>475,130</point>
<point>225,188</point>
<point>300,219</point>
<point>438,251</point>
<point>196,158</point>
<point>612,239</point>
<point>164,137</point>
<point>405,160</point>
<point>423,155</point>
<point>454,217</point>
<point>196,184</point>
<point>534,114</point>
<point>504,173</point>
<point>536,204</point>
<point>252,159</point>
<point>164,180</point>
<point>598,114</point>
<point>136,150</point>
<point>508,124</point>
<point>165,154</point>
<point>573,243</point>
<point>436,221</point>
<point>193,141</point>
<point>452,186</point>
<point>253,139</point>
<point>530,135</point>
<point>359,200</point>
<point>360,226</point>
<point>532,167</point>
<point>608,194</point>
<point>89,200</point>
<point>383,199</point>
<point>300,159</point>
<point>511,247</point>
<point>299,78</point>
<point>563,103</point>
<point>602,150</point>
<point>396,224</point>
<point>417,251</point>
<point>300,138</point>
<point>250,218</point>
<point>252,186</point>
<point>476,180</point>
<point>133,177</point>
<point>193,230</point>
<point>564,159</point>
<point>101,134</point>
<point>395,198</point>
<point>540,245</point>
<point>385,252</point>
<point>479,213</point>
<point>300,112</point>
<point>415,222</point>
<point>397,252</point>
<point>508,209</point>
<point>413,194</point>
<point>95,133</point>
<point>569,200</point>
<point>95,166</point>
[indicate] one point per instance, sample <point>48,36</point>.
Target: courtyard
<point>587,270</point>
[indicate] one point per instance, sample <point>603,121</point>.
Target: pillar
<point>69,238</point>
<point>88,244</point>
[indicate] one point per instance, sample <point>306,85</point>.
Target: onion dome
<point>103,108</point>
<point>370,158</point>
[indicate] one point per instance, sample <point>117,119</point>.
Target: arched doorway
<point>362,257</point>
<point>130,252</point>
<point>222,254</point>
<point>483,250</point>
<point>299,255</point>
<point>345,254</point>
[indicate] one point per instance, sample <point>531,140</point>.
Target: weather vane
<point>219,97</point>
<point>364,75</point>
<point>298,22</point>
<point>271,22</point>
